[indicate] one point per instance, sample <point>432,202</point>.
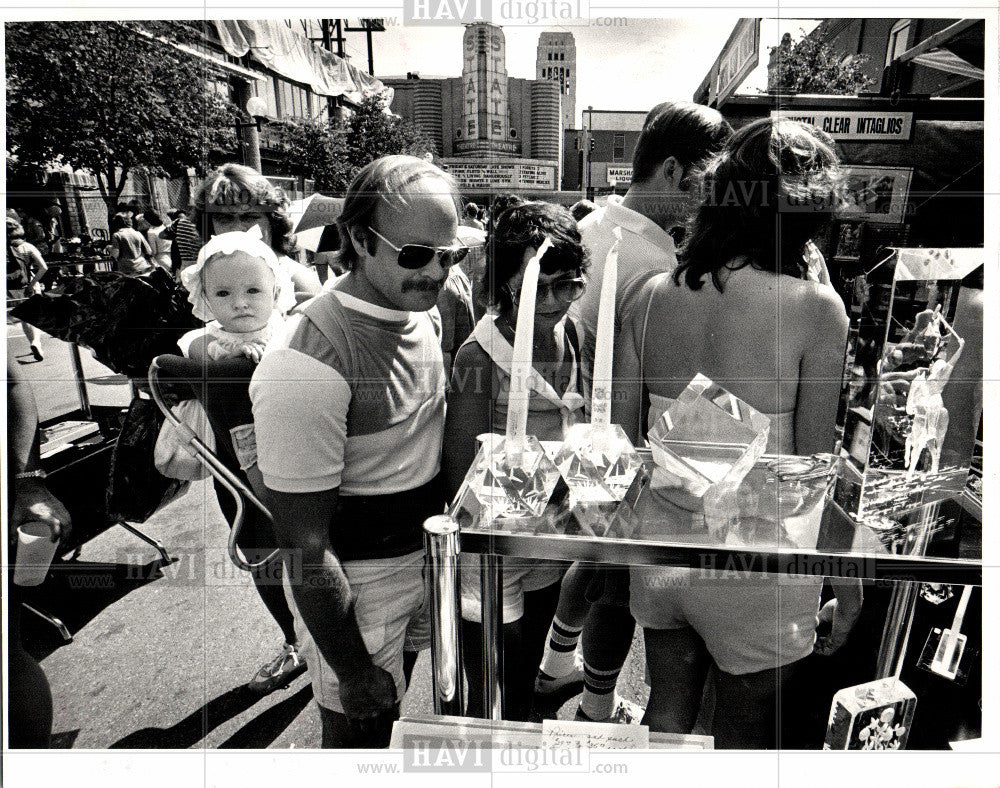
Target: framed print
<point>877,194</point>
<point>847,247</point>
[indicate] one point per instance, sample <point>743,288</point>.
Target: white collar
<point>501,353</point>
<point>636,223</point>
<point>373,310</point>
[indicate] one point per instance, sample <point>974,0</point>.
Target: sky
<point>631,64</point>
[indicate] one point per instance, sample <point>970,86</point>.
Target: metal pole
<point>491,585</point>
<point>899,619</point>
<point>441,546</point>
<point>81,380</point>
<point>248,133</point>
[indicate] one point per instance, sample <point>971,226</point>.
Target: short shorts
<point>520,575</point>
<point>748,624</point>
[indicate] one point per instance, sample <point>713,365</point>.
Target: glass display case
<point>907,441</point>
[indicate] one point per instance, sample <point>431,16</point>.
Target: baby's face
<point>240,290</point>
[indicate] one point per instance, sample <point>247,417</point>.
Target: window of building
<point>899,39</point>
<point>618,147</point>
<point>550,56</point>
<point>266,91</point>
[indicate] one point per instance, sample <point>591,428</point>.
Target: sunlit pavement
<point>158,658</point>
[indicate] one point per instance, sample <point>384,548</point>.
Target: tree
<point>332,155</point>
<point>811,66</point>
<point>313,149</point>
<point>371,133</point>
<point>110,98</point>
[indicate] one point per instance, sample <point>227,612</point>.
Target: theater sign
<point>864,126</point>
<point>510,175</point>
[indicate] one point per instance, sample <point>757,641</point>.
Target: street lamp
<point>249,133</point>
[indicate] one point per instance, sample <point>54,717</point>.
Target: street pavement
<point>160,653</point>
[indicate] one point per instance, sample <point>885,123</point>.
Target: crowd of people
<point>370,391</point>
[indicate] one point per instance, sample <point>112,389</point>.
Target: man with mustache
<point>349,414</point>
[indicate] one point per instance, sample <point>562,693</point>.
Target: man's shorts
<point>520,575</point>
<point>393,614</point>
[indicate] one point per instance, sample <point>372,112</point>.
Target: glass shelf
<point>786,524</point>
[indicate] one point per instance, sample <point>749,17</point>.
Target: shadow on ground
<point>258,733</point>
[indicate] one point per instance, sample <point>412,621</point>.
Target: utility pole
<point>368,26</point>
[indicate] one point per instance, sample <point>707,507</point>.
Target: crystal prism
<point>507,486</point>
<point>704,444</point>
<point>598,464</point>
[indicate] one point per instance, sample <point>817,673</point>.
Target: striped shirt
<point>350,395</point>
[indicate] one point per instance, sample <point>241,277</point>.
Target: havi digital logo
<point>446,12</point>
<point>429,753</point>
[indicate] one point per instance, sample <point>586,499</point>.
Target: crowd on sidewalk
<point>366,396</point>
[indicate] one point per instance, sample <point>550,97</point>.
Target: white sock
<point>560,649</point>
<point>599,696</point>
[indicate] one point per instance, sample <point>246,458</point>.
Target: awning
<point>946,60</point>
<point>294,56</point>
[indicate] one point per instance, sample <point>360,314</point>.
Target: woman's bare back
<point>753,338</point>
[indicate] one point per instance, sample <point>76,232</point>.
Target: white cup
<point>35,551</point>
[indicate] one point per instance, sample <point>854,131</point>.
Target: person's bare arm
<point>821,368</point>
<point>39,265</point>
<point>627,389</point>
<point>841,613</point>
<point>323,596</point>
<point>469,413</point>
<point>30,499</point>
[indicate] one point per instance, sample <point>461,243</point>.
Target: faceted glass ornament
<point>509,482</point>
<point>704,444</point>
<point>598,463</point>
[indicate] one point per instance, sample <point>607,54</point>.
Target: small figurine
<point>924,402</point>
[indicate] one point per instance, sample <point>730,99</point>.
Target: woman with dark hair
<point>477,403</point>
<point>237,198</point>
<point>740,309</point>
<point>129,247</point>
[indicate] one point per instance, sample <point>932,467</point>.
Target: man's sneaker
<point>567,686</point>
<point>280,672</point>
<point>626,713</point>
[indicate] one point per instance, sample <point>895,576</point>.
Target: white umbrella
<point>311,216</point>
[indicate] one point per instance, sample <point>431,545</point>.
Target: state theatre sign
<point>502,176</point>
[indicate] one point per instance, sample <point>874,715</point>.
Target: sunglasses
<point>414,256</point>
<point>565,290</point>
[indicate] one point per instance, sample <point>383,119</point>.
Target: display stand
<point>842,547</point>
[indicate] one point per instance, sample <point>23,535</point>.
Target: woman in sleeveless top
<point>764,331</point>
<point>477,403</point>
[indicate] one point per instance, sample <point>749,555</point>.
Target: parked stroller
<point>222,388</point>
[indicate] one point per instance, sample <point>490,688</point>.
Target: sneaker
<point>571,683</point>
<point>280,672</point>
<point>626,713</point>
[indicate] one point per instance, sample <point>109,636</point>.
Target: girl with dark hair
<point>766,333</point>
<point>477,403</point>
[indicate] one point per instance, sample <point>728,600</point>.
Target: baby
<point>238,287</point>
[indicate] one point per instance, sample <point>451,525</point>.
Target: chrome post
<point>491,582</point>
<point>441,547</point>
